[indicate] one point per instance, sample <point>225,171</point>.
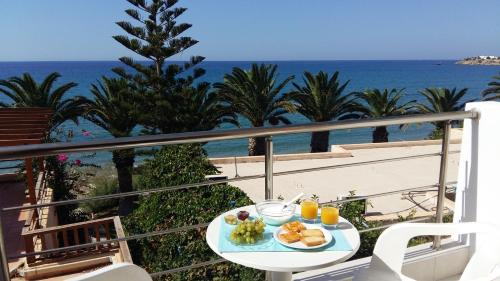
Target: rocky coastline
<point>480,60</point>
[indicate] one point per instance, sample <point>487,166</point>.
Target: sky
<point>49,30</point>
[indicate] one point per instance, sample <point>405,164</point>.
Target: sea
<point>412,75</point>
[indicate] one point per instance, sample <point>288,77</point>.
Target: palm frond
<point>24,91</point>
<point>255,93</point>
<point>322,98</point>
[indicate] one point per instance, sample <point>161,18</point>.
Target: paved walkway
<point>364,180</point>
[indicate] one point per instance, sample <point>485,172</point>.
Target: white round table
<point>282,264</point>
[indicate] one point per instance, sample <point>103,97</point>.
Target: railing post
<point>4,265</point>
<point>442,180</point>
<point>269,168</point>
<point>268,162</point>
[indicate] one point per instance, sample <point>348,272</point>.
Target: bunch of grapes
<point>248,232</point>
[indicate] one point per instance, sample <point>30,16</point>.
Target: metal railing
<point>37,150</point>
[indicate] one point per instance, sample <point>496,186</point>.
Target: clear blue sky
<point>262,29</point>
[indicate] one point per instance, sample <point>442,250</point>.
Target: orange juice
<point>329,215</point>
<point>309,209</point>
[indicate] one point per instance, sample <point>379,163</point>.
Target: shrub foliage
<point>174,165</point>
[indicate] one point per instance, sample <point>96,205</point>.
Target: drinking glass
<point>309,210</point>
<point>329,215</point>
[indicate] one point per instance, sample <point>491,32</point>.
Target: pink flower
<point>78,162</point>
<point>62,157</point>
<point>86,133</point>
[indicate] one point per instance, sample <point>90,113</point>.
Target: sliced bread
<point>312,233</point>
<point>312,241</point>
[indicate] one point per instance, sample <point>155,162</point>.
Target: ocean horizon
<point>413,75</point>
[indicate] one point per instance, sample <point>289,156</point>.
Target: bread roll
<point>290,237</point>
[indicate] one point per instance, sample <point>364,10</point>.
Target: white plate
<point>299,245</point>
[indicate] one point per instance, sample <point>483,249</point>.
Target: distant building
<point>488,57</point>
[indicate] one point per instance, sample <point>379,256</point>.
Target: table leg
<point>278,276</point>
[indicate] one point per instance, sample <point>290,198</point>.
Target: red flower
<point>78,162</point>
<point>62,157</point>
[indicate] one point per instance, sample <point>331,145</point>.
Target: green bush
<point>102,186</point>
<point>174,165</point>
<point>354,212</point>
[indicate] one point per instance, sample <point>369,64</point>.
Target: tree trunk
<point>256,146</point>
<point>380,134</point>
<point>124,163</point>
<point>320,141</point>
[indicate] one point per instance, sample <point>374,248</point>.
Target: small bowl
<point>273,213</point>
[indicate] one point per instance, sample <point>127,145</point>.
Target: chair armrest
<point>392,243</point>
<point>115,272</point>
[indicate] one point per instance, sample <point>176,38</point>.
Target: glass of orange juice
<point>329,215</point>
<point>309,210</point>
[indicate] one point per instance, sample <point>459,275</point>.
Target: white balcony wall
<point>478,187</point>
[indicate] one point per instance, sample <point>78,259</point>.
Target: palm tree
<point>114,109</point>
<point>441,100</point>
<point>255,94</point>
<point>199,109</point>
<point>378,104</point>
<point>322,99</point>
<point>493,91</point>
<point>26,92</point>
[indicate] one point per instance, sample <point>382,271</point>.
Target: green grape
<point>248,232</point>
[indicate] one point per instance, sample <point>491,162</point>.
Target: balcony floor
<point>13,194</point>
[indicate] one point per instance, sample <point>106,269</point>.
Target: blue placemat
<point>268,244</point>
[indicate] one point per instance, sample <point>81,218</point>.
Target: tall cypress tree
<point>156,36</point>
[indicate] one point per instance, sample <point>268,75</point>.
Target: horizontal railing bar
<point>358,198</point>
<point>211,182</point>
<point>9,167</point>
<point>188,267</point>
<point>156,233</point>
<point>388,225</point>
<point>348,165</point>
<point>63,227</point>
<point>146,235</point>
<point>131,193</point>
<point>127,238</point>
<point>36,150</point>
<point>185,228</point>
<point>212,262</point>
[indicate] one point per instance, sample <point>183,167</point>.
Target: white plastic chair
<point>115,272</point>
<point>388,255</point>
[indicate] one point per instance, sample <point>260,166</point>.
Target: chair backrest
<point>115,272</point>
<point>391,245</point>
<point>388,255</point>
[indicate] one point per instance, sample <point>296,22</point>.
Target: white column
<point>478,187</point>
